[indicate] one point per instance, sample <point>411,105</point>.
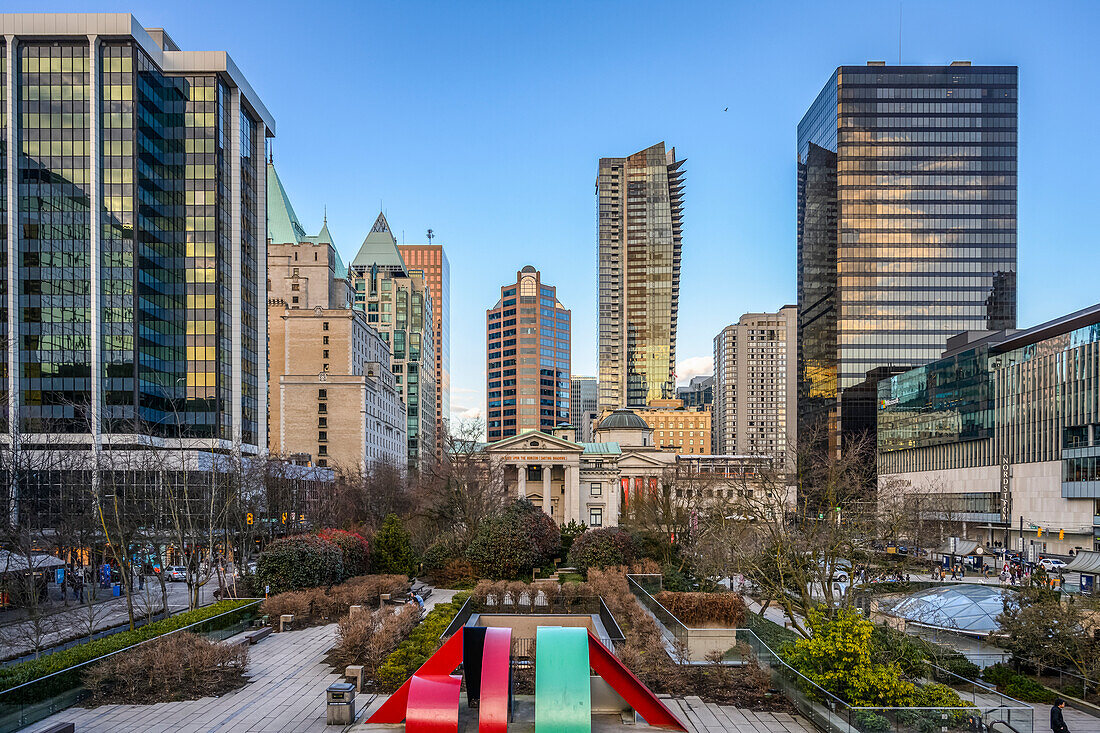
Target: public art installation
<point>428,701</point>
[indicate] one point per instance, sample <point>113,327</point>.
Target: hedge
<point>355,550</point>
<point>602,548</point>
<point>33,669</point>
<point>421,644</point>
<point>301,561</point>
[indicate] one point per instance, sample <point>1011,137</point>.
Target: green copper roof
<point>380,248</point>
<point>283,226</point>
<point>610,449</point>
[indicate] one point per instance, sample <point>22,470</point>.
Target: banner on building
<point>1006,494</point>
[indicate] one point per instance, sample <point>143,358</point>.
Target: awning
<point>1085,561</point>
<point>956,546</point>
<point>11,562</point>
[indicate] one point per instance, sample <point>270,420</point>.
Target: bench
<point>258,636</point>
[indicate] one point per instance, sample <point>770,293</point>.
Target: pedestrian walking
<point>1057,723</point>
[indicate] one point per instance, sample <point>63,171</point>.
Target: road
<point>58,624</point>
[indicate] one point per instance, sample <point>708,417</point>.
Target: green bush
<point>999,674</point>
<point>774,636</point>
<point>1017,685</point>
<point>18,674</point>
<point>840,658</point>
<point>420,644</point>
<point>602,548</point>
<point>569,532</point>
<point>393,552</point>
<point>302,561</point>
<point>354,548</point>
<point>1028,690</point>
<point>440,554</point>
<point>511,544</point>
<point>866,721</point>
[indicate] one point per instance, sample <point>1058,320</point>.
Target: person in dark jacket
<point>1057,724</point>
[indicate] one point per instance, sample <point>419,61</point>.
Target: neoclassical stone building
<point>593,482</point>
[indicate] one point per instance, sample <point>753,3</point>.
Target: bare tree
<point>456,494</point>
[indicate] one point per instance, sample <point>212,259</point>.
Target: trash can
<point>340,710</point>
<point>116,590</point>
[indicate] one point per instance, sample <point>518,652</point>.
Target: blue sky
<point>485,121</point>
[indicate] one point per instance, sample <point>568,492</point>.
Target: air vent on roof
<point>876,63</point>
<point>960,63</point>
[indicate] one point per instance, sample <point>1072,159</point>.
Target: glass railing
<point>987,709</point>
<point>32,701</point>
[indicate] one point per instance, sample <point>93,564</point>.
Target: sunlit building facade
<point>431,260</point>
<point>134,224</point>
<point>527,361</point>
<point>640,225</point>
<point>906,223</point>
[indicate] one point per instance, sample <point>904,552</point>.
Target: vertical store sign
<point>1006,496</point>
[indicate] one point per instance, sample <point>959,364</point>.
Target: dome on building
<point>969,608</point>
<point>529,269</point>
<point>622,419</point>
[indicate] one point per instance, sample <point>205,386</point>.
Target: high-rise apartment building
<point>755,387</point>
<point>527,361</point>
<point>134,220</point>
<point>906,223</point>
<point>640,223</point>
<point>398,303</point>
<point>333,394</point>
<point>584,406</point>
<point>676,428</point>
<point>431,260</point>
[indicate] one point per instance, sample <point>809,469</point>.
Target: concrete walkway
<point>286,693</point>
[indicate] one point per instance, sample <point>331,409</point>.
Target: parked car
<point>177,573</point>
<point>1052,564</point>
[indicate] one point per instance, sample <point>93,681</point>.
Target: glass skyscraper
<point>134,224</point>
<point>527,358</point>
<point>906,223</point>
<point>640,220</point>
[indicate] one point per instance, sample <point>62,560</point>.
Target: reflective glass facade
<point>136,301</point>
<point>906,222</point>
<point>432,261</point>
<point>528,347</point>
<point>640,223</point>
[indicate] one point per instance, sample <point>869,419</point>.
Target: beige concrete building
<point>676,429</point>
<point>333,394</point>
<point>756,385</point>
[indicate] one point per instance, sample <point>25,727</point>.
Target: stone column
<point>546,505</point>
<point>522,480</point>
<point>573,490</point>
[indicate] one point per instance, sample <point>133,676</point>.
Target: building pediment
<point>648,459</point>
<point>533,441</point>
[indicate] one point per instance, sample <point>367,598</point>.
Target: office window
<point>595,516</point>
<point>596,488</point>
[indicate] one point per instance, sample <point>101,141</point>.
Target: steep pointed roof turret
<point>283,226</point>
<point>380,248</point>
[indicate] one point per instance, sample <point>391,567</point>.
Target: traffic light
<point>284,517</point>
<point>249,518</point>
<point>1040,532</point>
<point>1061,534</point>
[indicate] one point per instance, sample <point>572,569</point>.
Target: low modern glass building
<point>1000,438</point>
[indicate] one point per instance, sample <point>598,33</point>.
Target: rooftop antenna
<point>326,214</point>
<point>431,236</point>
<point>899,33</point>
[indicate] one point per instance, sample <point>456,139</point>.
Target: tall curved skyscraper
<point>640,220</point>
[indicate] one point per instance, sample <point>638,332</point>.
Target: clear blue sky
<point>485,121</point>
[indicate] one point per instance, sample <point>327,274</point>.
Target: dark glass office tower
<point>906,223</point>
<point>134,230</point>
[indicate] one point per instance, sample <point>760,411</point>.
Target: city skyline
<point>740,204</point>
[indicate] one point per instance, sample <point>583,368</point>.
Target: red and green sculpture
<point>428,701</point>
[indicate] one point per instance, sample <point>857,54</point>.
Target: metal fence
<point>38,699</point>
